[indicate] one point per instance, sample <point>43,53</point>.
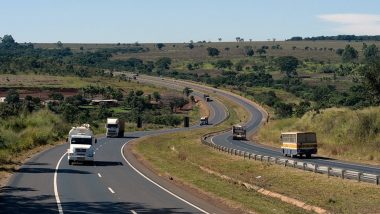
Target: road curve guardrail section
<point>330,171</point>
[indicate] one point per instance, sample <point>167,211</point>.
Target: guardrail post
<point>315,168</point>
<point>268,159</point>
<point>255,156</point>
<point>328,171</point>
<point>304,166</point>
<point>359,174</point>
<point>342,173</point>
<point>249,156</point>
<point>275,160</point>
<point>377,179</point>
<point>261,158</point>
<point>285,162</point>
<point>294,164</point>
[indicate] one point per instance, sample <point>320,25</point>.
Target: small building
<point>110,102</point>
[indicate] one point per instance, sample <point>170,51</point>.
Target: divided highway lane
<point>255,118</point>
<point>111,186</point>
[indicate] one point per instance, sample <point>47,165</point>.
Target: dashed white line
<point>133,212</point>
<point>161,187</point>
<point>99,175</point>
<point>111,190</point>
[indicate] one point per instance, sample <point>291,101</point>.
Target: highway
<point>47,184</point>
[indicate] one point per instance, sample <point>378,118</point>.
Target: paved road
<point>111,186</point>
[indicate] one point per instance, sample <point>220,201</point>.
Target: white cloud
<point>351,23</point>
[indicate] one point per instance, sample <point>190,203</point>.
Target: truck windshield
<point>87,141</point>
<point>111,125</point>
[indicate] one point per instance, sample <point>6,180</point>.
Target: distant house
<point>2,99</point>
<point>110,102</point>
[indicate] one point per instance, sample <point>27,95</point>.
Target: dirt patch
<point>42,93</point>
<point>203,109</point>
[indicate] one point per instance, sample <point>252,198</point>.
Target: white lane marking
<point>133,212</point>
<point>99,175</point>
<point>161,187</point>
<point>57,199</point>
<point>111,190</point>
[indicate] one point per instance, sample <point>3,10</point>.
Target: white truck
<point>81,144</point>
<point>115,127</point>
<point>204,121</point>
<point>239,132</point>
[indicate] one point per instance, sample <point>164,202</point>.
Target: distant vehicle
<point>204,121</point>
<point>115,127</point>
<point>239,132</point>
<point>207,97</point>
<point>81,140</point>
<point>299,143</point>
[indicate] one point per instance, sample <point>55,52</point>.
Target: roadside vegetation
<point>35,114</point>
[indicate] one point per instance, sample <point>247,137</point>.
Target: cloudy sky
<point>126,21</point>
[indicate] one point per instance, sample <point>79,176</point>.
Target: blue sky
<point>111,21</point>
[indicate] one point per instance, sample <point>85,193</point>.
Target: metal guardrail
<point>330,171</point>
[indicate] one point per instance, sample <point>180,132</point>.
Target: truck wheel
<point>70,162</point>
<point>308,155</point>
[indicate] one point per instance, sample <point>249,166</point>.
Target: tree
<point>8,40</point>
<point>261,51</point>
<point>56,96</point>
<point>13,97</point>
<point>220,39</point>
<point>283,110</point>
<point>224,63</point>
<point>371,53</point>
<point>187,91</point>
<point>249,51</point>
<point>288,65</point>
<point>371,78</point>
<point>59,44</point>
<point>349,54</point>
<point>212,51</point>
<point>160,45</point>
<point>163,63</point>
<point>339,51</point>
<point>156,96</point>
<point>237,39</point>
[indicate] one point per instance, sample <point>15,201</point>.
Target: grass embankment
<point>23,133</point>
<point>179,155</point>
<point>342,133</point>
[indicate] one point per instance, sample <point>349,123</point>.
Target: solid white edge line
<point>99,175</point>
<point>133,212</point>
<point>161,187</point>
<point>57,199</point>
<point>111,190</point>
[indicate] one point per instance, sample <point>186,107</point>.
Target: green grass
<point>23,133</point>
<point>342,133</point>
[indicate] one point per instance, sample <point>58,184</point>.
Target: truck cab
<point>81,144</point>
<point>204,121</point>
<point>207,97</point>
<point>115,127</point>
<point>239,132</point>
